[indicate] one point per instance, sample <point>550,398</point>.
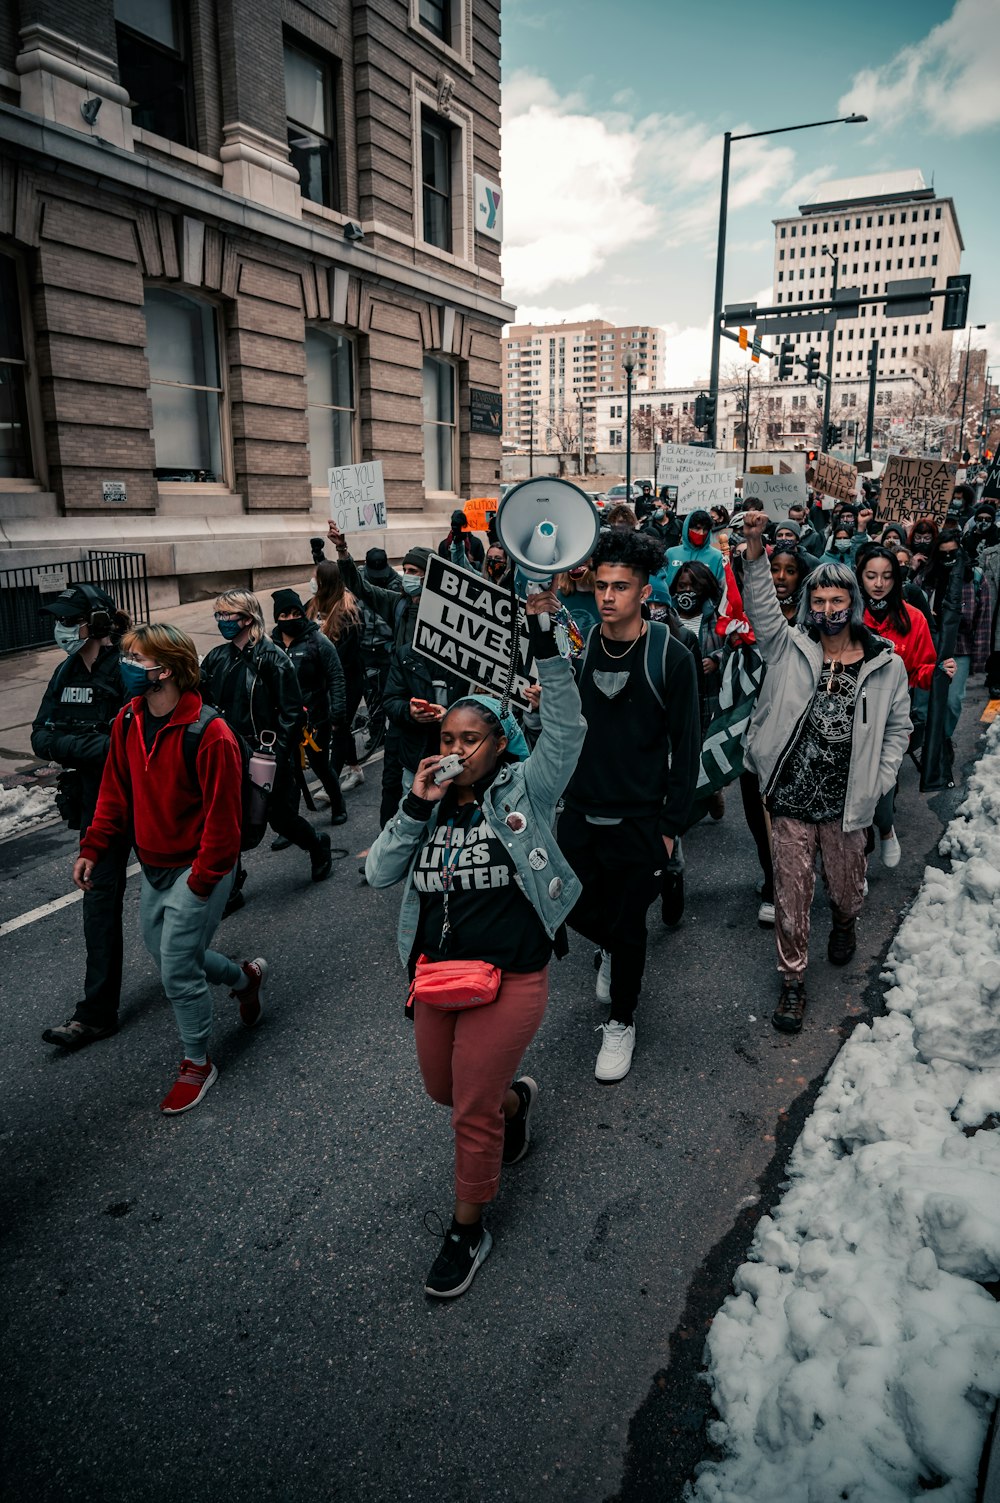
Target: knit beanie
<point>418,558</point>
<point>286,600</point>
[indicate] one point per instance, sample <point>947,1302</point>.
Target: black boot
<point>842,943</point>
<point>322,859</point>
<point>787,1016</point>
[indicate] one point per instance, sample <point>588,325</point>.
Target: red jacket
<point>176,822</point>
<point>916,648</point>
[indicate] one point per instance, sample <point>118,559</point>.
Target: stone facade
<point>95,213</point>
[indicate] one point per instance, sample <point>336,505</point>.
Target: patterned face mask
<point>832,624</point>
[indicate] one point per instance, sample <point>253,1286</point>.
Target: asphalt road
<point>230,1305</point>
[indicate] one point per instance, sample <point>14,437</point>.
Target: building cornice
<point>102,165</point>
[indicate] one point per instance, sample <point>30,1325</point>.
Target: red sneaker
<point>251,998</point>
<point>190,1086</point>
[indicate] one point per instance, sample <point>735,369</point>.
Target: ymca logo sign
<point>489,208</point>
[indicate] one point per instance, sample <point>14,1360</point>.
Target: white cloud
<point>528,313</point>
<point>688,354</point>
<point>949,80</point>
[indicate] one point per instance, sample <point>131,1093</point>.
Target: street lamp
<point>720,254</point>
<point>628,366</point>
<point>965,389</point>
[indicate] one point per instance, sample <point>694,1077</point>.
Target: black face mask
<point>877,607</point>
<point>495,567</point>
<point>923,542</point>
<point>294,628</point>
<point>982,524</point>
<point>947,560</point>
<point>687,602</point>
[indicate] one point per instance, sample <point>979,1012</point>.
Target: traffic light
<point>812,364</point>
<point>810,456</point>
<point>700,418</point>
<point>711,403</point>
<point>834,435</point>
<point>786,360</point>
<point>956,302</point>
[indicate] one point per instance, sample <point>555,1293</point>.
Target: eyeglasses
<point>227,616</point>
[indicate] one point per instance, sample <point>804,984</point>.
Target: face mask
<point>577,573</point>
<point>229,629</point>
<point>877,607</point>
<point>658,513</point>
<point>830,625</point>
<point>313,586</point>
<point>947,560</point>
<point>413,583</point>
<point>687,602</point>
<point>842,544</point>
<point>494,567</point>
<point>293,628</point>
<point>67,637</point>
<point>136,679</point>
<point>983,524</point>
<point>924,541</point>
<point>696,537</point>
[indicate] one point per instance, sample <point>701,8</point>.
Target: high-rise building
<point>242,242</point>
<point>888,227</point>
<point>552,374</point>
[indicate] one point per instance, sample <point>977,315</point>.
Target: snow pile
<point>22,807</point>
<point>859,1357</point>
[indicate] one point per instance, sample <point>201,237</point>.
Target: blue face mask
<point>229,629</point>
<point>136,679</point>
<point>413,583</point>
<point>67,637</point>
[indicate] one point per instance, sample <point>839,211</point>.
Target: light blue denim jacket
<point>529,789</point>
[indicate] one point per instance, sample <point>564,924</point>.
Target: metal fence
<point>23,593</point>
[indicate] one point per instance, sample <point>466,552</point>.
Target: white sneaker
<point>765,915</point>
<point>602,986</point>
<point>614,1060</point>
<point>864,888</point>
<point>351,777</point>
<point>891,850</point>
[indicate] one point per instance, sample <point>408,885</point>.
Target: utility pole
<point>583,451</point>
<point>531,442</point>
<point>746,424</point>
<point>872,379</point>
<point>829,358</point>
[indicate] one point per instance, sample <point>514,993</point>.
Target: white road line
<point>53,907</point>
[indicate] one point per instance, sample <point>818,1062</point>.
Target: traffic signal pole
<point>829,361</point>
<point>872,379</point>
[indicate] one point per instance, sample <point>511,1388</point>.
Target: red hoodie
<point>177,822</point>
<point>916,648</point>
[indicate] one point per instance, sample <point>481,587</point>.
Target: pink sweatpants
<point>842,861</point>
<point>468,1060</point>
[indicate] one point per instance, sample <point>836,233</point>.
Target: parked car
<point>619,493</point>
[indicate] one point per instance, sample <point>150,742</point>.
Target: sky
<point>613,119</point>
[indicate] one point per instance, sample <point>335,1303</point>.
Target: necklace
<point>616,655</point>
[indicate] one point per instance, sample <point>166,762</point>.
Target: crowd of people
<point>792,658</point>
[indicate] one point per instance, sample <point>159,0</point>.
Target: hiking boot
<point>672,898</point>
<point>614,1059</point>
<point>787,1016</point>
<point>190,1086</point>
<point>517,1129</point>
<point>463,1252</point>
<point>251,998</point>
<point>602,984</point>
<point>842,943</point>
<point>73,1034</point>
<point>322,859</point>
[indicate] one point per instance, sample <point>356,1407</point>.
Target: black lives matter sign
<point>464,625</point>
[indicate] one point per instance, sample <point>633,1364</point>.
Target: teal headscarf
<point>517,746</point>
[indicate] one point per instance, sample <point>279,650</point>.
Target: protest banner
<point>836,478</point>
<point>700,484</point>
<point>357,496</point>
<point>776,492</point>
<point>478,511</point>
<point>991,490</point>
<point>913,487</point>
<point>464,624</point>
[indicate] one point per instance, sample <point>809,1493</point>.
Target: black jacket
<point>475,553</point>
<point>319,672</point>
<point>399,610</point>
<point>256,689</point>
<point>412,677</point>
<point>667,533</point>
<point>73,724</point>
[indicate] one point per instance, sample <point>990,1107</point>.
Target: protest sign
<point>913,487</point>
<point>479,510</point>
<point>991,490</point>
<point>464,624</point>
<point>835,478</point>
<point>698,493</point>
<point>693,471</point>
<point>760,469</point>
<point>776,492</point>
<point>357,496</point>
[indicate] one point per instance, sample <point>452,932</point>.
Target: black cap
<point>377,564</point>
<point>77,602</point>
<point>286,600</point>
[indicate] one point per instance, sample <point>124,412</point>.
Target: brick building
<point>242,241</point>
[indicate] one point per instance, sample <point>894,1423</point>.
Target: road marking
<point>43,912</point>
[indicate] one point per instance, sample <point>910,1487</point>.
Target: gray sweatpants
<point>176,929</point>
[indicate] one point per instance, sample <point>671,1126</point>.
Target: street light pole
<point>628,366</point>
<point>720,251</point>
<point>829,353</point>
<point>746,424</point>
<point>965,389</point>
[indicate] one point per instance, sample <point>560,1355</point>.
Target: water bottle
<point>263,766</point>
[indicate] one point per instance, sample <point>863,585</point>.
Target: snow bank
<point>22,807</point>
<point>859,1357</point>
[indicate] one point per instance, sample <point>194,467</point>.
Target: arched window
<point>330,397</point>
<point>185,386</point>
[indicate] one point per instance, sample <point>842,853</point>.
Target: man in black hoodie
<point>321,684</point>
<point>630,797</point>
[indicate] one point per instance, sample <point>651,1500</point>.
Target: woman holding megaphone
<point>487,892</point>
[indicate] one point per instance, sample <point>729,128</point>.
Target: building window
<point>436,16</point>
<point>330,399</point>
<point>185,386</point>
<point>309,112</point>
<point>436,169</point>
<point>440,427</point>
<point>153,66</point>
<point>15,434</point>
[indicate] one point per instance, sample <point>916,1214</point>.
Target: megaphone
<point>547,526</point>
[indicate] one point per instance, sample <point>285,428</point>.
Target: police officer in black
<point>73,728</point>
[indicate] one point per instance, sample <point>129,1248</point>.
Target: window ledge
<point>312,210</point>
<point>9,484</point>
<point>185,487</point>
<point>459,59</point>
<point>170,148</point>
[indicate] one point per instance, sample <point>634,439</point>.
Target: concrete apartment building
<point>242,241</point>
<point>888,227</point>
<point>554,373</point>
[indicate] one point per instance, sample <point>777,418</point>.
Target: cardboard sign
<point>479,510</point>
<point>835,478</point>
<point>760,469</point>
<point>716,489</point>
<point>776,492</point>
<point>357,496</point>
<point>464,624</point>
<point>991,490</point>
<point>913,487</point>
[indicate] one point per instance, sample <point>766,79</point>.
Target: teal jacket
<point>529,789</point>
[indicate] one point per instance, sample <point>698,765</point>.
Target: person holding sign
<point>461,547</point>
<point>827,737</point>
<point>487,892</point>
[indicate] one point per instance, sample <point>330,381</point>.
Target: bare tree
<point>562,434</point>
<point>645,427</point>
